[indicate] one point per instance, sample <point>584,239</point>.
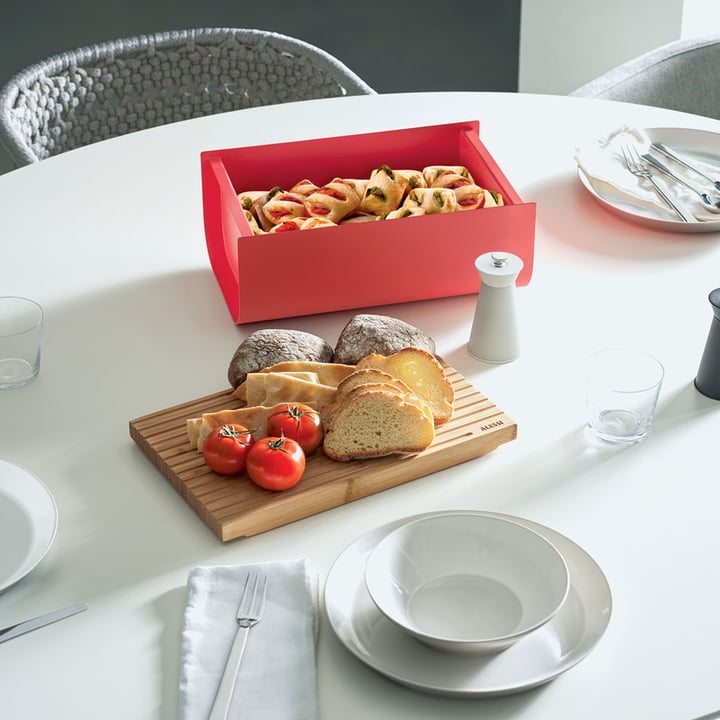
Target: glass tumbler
<point>622,390</point>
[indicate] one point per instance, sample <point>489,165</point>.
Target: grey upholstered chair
<point>105,90</point>
<point>682,75</point>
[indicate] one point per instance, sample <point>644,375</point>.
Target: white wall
<point>565,43</point>
<point>700,17</point>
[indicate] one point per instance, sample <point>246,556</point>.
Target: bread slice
<point>422,373</point>
<point>273,387</point>
<point>374,423</point>
<point>329,412</point>
<point>366,376</point>
<point>253,418</point>
<point>327,373</point>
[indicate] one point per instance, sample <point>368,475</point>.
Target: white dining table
<point>109,239</point>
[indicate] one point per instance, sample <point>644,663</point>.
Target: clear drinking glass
<point>622,391</point>
<point>20,341</point>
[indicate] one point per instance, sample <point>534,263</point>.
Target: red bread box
<point>356,265</point>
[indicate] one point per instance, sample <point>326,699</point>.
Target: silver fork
<point>636,165</point>
<point>249,613</point>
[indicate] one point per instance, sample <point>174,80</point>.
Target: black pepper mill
<point>708,376</point>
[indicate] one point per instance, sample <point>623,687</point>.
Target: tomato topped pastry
<point>295,223</point>
<point>283,206</point>
<point>472,197</point>
<point>303,187</point>
<point>332,201</point>
<point>433,173</point>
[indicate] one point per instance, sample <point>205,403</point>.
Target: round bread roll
<point>267,347</point>
<point>378,334</point>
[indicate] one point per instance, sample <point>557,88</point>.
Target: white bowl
<point>466,582</point>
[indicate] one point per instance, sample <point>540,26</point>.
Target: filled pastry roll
<point>472,197</point>
<point>295,223</point>
<point>332,201</point>
<point>356,184</point>
<point>252,221</point>
<point>358,217</point>
<point>303,187</point>
<point>432,173</point>
<point>247,199</point>
<point>403,212</point>
<point>432,200</point>
<point>414,177</point>
<point>283,206</point>
<point>317,222</point>
<point>259,202</point>
<point>384,191</point>
<point>452,181</point>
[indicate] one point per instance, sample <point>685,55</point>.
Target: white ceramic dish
<point>464,582</point>
<point>553,649</point>
<point>28,523</point>
<point>701,144</point>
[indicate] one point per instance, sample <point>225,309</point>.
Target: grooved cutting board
<point>235,507</point>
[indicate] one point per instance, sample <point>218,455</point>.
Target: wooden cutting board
<point>235,507</point>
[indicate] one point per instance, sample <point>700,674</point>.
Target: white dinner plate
<point>701,144</point>
<point>28,523</point>
<point>534,660</point>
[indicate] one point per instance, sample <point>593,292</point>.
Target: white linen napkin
<point>603,162</point>
<point>278,674</point>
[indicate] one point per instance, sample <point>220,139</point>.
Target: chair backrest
<point>682,75</point>
<point>110,89</point>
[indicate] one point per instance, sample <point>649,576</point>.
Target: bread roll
<point>267,347</point>
<point>366,334</point>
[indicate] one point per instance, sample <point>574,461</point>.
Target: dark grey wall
<point>395,46</point>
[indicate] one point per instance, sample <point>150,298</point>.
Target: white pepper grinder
<point>494,334</point>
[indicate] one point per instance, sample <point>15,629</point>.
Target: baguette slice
<point>422,373</point>
<point>374,423</point>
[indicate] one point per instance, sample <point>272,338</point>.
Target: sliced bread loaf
<point>369,375</point>
<point>373,422</point>
<point>422,373</point>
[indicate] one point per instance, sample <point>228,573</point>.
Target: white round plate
<point>28,523</point>
<point>534,660</point>
<point>701,144</point>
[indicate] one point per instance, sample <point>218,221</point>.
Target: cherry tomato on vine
<point>276,463</point>
<point>226,448</point>
<point>298,422</point>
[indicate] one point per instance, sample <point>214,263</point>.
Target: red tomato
<point>298,422</point>
<point>226,449</point>
<point>275,463</point>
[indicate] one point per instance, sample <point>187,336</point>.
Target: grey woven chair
<point>682,75</point>
<point>110,89</point>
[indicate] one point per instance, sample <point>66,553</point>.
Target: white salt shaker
<point>494,334</point>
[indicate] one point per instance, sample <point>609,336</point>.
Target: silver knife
<point>665,150</point>
<point>27,626</point>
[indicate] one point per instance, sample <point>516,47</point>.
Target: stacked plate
<point>401,599</point>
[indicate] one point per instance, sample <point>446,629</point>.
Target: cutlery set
<point>642,166</point>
